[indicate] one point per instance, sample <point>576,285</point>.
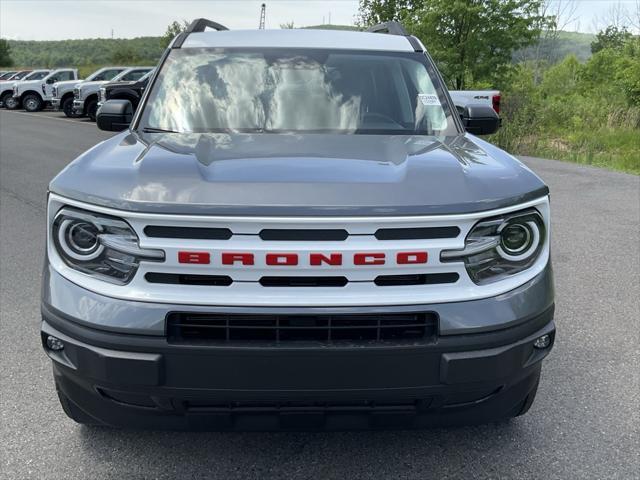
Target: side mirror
<point>114,115</point>
<point>51,80</point>
<point>480,119</point>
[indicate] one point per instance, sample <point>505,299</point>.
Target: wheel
<point>73,412</point>
<point>10,102</point>
<point>92,107</point>
<point>67,107</point>
<point>32,102</point>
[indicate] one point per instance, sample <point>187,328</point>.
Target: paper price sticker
<point>429,99</point>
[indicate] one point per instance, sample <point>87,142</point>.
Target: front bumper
<point>467,375</point>
<point>55,103</point>
<point>78,107</point>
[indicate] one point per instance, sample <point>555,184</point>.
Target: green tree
<point>124,55</point>
<point>472,41</point>
<point>173,29</point>
<point>611,37</point>
<point>372,12</point>
<point>5,54</point>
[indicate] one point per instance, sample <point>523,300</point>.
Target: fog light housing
<point>54,343</point>
<point>542,342</point>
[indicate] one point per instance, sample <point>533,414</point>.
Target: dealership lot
<point>585,422</point>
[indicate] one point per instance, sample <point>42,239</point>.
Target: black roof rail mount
<point>392,28</point>
<point>396,28</point>
<point>199,25</point>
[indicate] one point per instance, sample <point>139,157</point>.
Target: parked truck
<point>6,88</point>
<point>63,91</point>
<point>296,229</point>
<point>462,98</point>
<point>33,94</point>
<point>125,90</point>
<point>86,94</point>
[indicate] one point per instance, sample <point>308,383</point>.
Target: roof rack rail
<point>396,28</point>
<point>199,25</point>
<point>392,28</point>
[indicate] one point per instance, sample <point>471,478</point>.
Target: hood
<point>122,84</point>
<point>67,83</point>
<point>28,83</point>
<point>310,174</point>
<point>8,85</point>
<point>91,85</point>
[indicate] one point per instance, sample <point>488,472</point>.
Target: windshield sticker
<point>429,99</point>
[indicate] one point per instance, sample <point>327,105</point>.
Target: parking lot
<point>585,422</point>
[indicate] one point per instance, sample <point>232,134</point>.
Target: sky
<point>65,19</point>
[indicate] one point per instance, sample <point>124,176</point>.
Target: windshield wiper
<point>158,130</point>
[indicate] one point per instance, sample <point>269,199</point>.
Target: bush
<point>587,113</point>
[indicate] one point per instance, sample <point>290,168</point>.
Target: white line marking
<point>76,122</point>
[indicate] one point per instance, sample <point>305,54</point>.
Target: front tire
<point>32,103</point>
<point>67,107</point>
<point>92,108</point>
<point>9,102</point>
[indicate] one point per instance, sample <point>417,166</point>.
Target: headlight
<point>499,247</point>
<point>99,245</point>
<point>103,94</point>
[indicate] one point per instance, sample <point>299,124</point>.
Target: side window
<point>66,75</point>
<point>134,75</point>
<point>109,74</point>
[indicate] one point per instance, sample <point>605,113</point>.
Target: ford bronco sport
<point>294,230</point>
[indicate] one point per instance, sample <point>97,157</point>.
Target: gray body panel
<point>301,175</point>
<point>84,307</point>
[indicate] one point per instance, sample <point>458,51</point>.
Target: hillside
<point>147,50</point>
<point>94,51</point>
<point>567,43</point>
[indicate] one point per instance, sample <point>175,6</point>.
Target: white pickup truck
<point>461,98</point>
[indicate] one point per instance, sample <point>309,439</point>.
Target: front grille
<point>219,328</point>
<point>188,279</point>
<point>302,281</point>
<point>196,233</point>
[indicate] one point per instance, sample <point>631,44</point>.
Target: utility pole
<point>263,12</point>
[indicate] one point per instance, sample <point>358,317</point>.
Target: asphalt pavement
<point>585,422</point>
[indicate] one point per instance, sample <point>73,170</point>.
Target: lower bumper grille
<point>204,328</point>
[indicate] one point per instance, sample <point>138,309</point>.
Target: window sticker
<point>429,99</point>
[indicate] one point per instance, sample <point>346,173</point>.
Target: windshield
<point>37,75</point>
<point>297,90</point>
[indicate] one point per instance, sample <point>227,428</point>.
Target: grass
<point>615,149</point>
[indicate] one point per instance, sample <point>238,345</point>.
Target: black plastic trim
<point>157,231</point>
<point>391,28</point>
<point>308,235</point>
<point>191,279</point>
<point>316,281</point>
<point>419,279</point>
<point>424,233</point>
